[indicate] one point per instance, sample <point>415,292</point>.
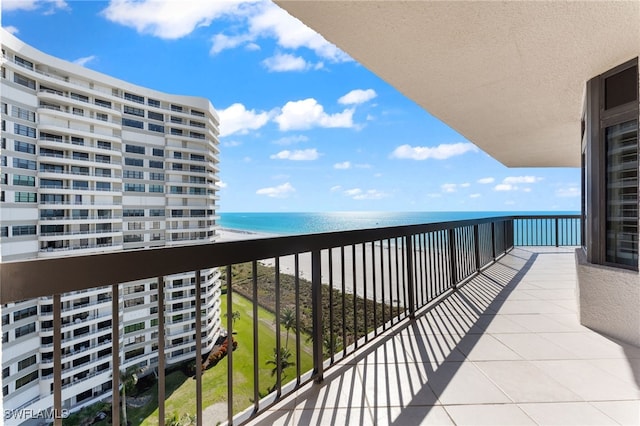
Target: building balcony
<point>461,322</point>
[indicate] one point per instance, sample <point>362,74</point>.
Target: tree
<point>128,380</point>
<point>285,355</point>
<point>176,420</point>
<point>235,315</point>
<point>288,321</point>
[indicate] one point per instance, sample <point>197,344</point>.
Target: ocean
<point>309,223</point>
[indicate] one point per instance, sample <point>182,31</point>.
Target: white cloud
<point>448,187</point>
<point>486,180</point>
<point>222,42</point>
<point>11,29</point>
<point>464,185</point>
<point>222,184</point>
<point>521,179</point>
<point>357,96</point>
<point>572,191</point>
<point>283,62</point>
<point>231,144</point>
<point>335,188</point>
<point>169,19</point>
<point>237,119</point>
<point>290,140</point>
<point>505,187</point>
<point>308,113</point>
<point>297,155</point>
<point>370,194</point>
<point>9,5</point>
<point>252,46</point>
<point>342,166</point>
<point>440,152</point>
<point>475,195</point>
<point>83,61</point>
<point>280,191</point>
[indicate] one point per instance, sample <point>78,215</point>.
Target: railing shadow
<point>442,332</point>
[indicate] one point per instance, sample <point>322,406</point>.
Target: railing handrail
<point>16,277</point>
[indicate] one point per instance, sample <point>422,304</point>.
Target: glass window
<point>156,128</point>
<point>133,111</point>
<point>24,180</point>
<point>133,174</point>
<point>158,152</point>
<point>104,145</point>
<point>23,114</point>
<point>134,98</point>
<point>132,123</point>
<point>25,197</point>
<point>133,162</point>
<point>153,103</point>
<point>156,176</point>
<point>24,81</point>
<point>155,115</point>
<point>156,164</point>
<point>19,129</point>
<point>135,149</point>
<point>622,193</point>
<point>21,163</point>
<point>20,146</point>
<point>102,103</point>
<point>134,187</point>
<point>156,188</point>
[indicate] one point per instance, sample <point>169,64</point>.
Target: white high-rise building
<point>91,164</point>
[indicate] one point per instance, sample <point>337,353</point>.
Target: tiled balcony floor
<point>505,349</point>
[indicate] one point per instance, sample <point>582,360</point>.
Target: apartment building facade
<point>92,164</point>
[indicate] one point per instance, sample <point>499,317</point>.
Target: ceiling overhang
<point>508,76</point>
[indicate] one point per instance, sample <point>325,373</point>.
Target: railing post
<point>408,241</point>
<point>115,355</point>
<point>557,232</point>
<point>493,240</point>
<point>199,348</point>
<point>452,258</point>
<point>316,312</point>
<point>57,360</point>
<point>476,237</point>
<point>229,277</point>
<point>161,351</point>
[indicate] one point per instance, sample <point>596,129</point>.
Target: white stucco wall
<point>609,299</point>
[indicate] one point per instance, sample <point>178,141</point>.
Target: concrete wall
<point>609,299</point>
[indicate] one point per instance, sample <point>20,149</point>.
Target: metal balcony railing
<point>386,274</point>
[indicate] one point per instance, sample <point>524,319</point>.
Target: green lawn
<point>180,389</point>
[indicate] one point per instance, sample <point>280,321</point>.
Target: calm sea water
<point>308,223</point>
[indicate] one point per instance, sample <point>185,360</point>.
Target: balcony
<point>462,321</point>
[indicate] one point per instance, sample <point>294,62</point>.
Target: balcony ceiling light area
<point>509,76</point>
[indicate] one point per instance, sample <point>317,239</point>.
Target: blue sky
<point>304,127</point>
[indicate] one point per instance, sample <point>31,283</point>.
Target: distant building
<point>93,164</point>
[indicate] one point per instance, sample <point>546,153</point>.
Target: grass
<point>180,389</point>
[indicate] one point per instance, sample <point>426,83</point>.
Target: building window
<point>156,164</point>
<point>134,98</point>
<point>156,188</point>
<point>134,187</point>
<point>176,108</point>
<point>24,180</point>
<point>153,103</point>
<point>158,152</point>
<point>79,97</point>
<point>25,329</point>
<point>156,176</point>
<point>26,379</point>
<point>197,113</point>
<point>155,116</point>
<point>133,111</point>
<point>19,129</point>
<point>610,150</point>
<point>102,103</point>
<point>133,213</point>
<point>23,114</point>
<point>156,128</point>
<point>20,230</point>
<point>103,186</point>
<point>132,123</point>
<point>133,162</point>
<point>23,62</point>
<point>27,362</point>
<point>77,141</point>
<point>24,81</point>
<point>134,149</point>
<point>104,145</point>
<point>25,197</point>
<point>102,117</point>
<point>133,174</point>
<point>26,312</point>
<point>156,212</point>
<point>103,158</point>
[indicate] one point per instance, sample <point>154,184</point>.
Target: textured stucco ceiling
<point>509,76</point>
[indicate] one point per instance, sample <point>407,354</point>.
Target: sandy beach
<point>354,275</point>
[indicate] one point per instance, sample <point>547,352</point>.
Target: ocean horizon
<point>291,223</point>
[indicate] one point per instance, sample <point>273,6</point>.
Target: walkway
<point>506,349</point>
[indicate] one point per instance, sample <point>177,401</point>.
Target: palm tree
<point>128,379</point>
<point>288,321</point>
<point>285,354</point>
<point>235,315</point>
